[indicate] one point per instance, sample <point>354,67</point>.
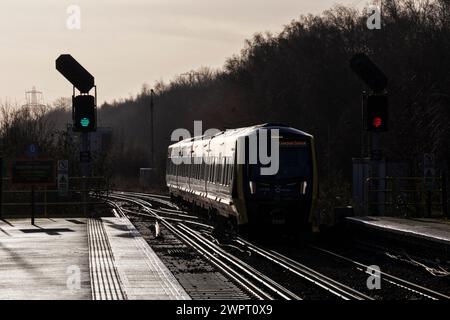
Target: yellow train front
<point>250,178</point>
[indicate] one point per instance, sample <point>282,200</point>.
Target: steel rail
<point>407,285</point>
<point>326,283</point>
<point>217,255</point>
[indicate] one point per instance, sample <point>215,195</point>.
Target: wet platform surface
<point>430,229</point>
<point>78,258</point>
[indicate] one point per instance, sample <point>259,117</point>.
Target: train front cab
<point>283,202</point>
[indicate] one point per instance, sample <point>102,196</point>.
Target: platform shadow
<point>50,231</point>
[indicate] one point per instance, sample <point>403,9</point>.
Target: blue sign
<point>32,150</point>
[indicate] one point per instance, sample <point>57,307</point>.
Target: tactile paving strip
<point>105,280</point>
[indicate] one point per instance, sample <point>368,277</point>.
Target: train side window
<point>197,174</point>
<point>227,170</point>
<point>230,166</point>
<point>228,174</point>
<point>224,172</point>
<point>219,171</point>
<point>194,171</point>
<point>198,171</point>
<point>216,172</point>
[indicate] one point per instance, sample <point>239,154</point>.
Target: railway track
<point>334,287</point>
<point>198,235</point>
<point>389,278</point>
<point>261,285</point>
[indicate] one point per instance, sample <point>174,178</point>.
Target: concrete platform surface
<point>430,229</point>
<point>143,275</point>
<point>103,259</point>
<point>46,261</point>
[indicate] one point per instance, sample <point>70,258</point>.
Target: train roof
<point>234,134</point>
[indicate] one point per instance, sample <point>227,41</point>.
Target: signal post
<point>84,111</point>
<point>374,122</point>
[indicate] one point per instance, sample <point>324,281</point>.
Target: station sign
<point>33,172</point>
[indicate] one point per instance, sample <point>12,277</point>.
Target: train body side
<point>212,178</point>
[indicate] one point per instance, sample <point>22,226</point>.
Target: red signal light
<point>377,122</point>
<point>377,113</point>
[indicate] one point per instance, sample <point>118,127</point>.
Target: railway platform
<point>81,259</point>
<point>435,231</point>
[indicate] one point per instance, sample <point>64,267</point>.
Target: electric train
<point>228,175</point>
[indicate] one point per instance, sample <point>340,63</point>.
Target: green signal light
<point>84,122</point>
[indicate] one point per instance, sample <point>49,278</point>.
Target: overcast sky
<point>125,43</point>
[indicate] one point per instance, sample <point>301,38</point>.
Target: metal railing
<point>405,196</point>
<point>82,196</point>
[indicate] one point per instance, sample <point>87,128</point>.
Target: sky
<point>126,43</point>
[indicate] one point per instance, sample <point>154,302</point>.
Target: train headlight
<point>303,186</point>
<point>252,186</point>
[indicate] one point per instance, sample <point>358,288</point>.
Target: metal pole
<point>445,196</point>
<point>363,140</point>
<point>84,166</point>
<point>45,201</point>
<point>32,205</point>
<point>152,142</point>
<point>328,152</point>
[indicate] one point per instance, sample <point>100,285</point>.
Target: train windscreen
<point>294,162</point>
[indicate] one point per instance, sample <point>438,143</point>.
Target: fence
<point>406,196</point>
<point>83,196</point>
